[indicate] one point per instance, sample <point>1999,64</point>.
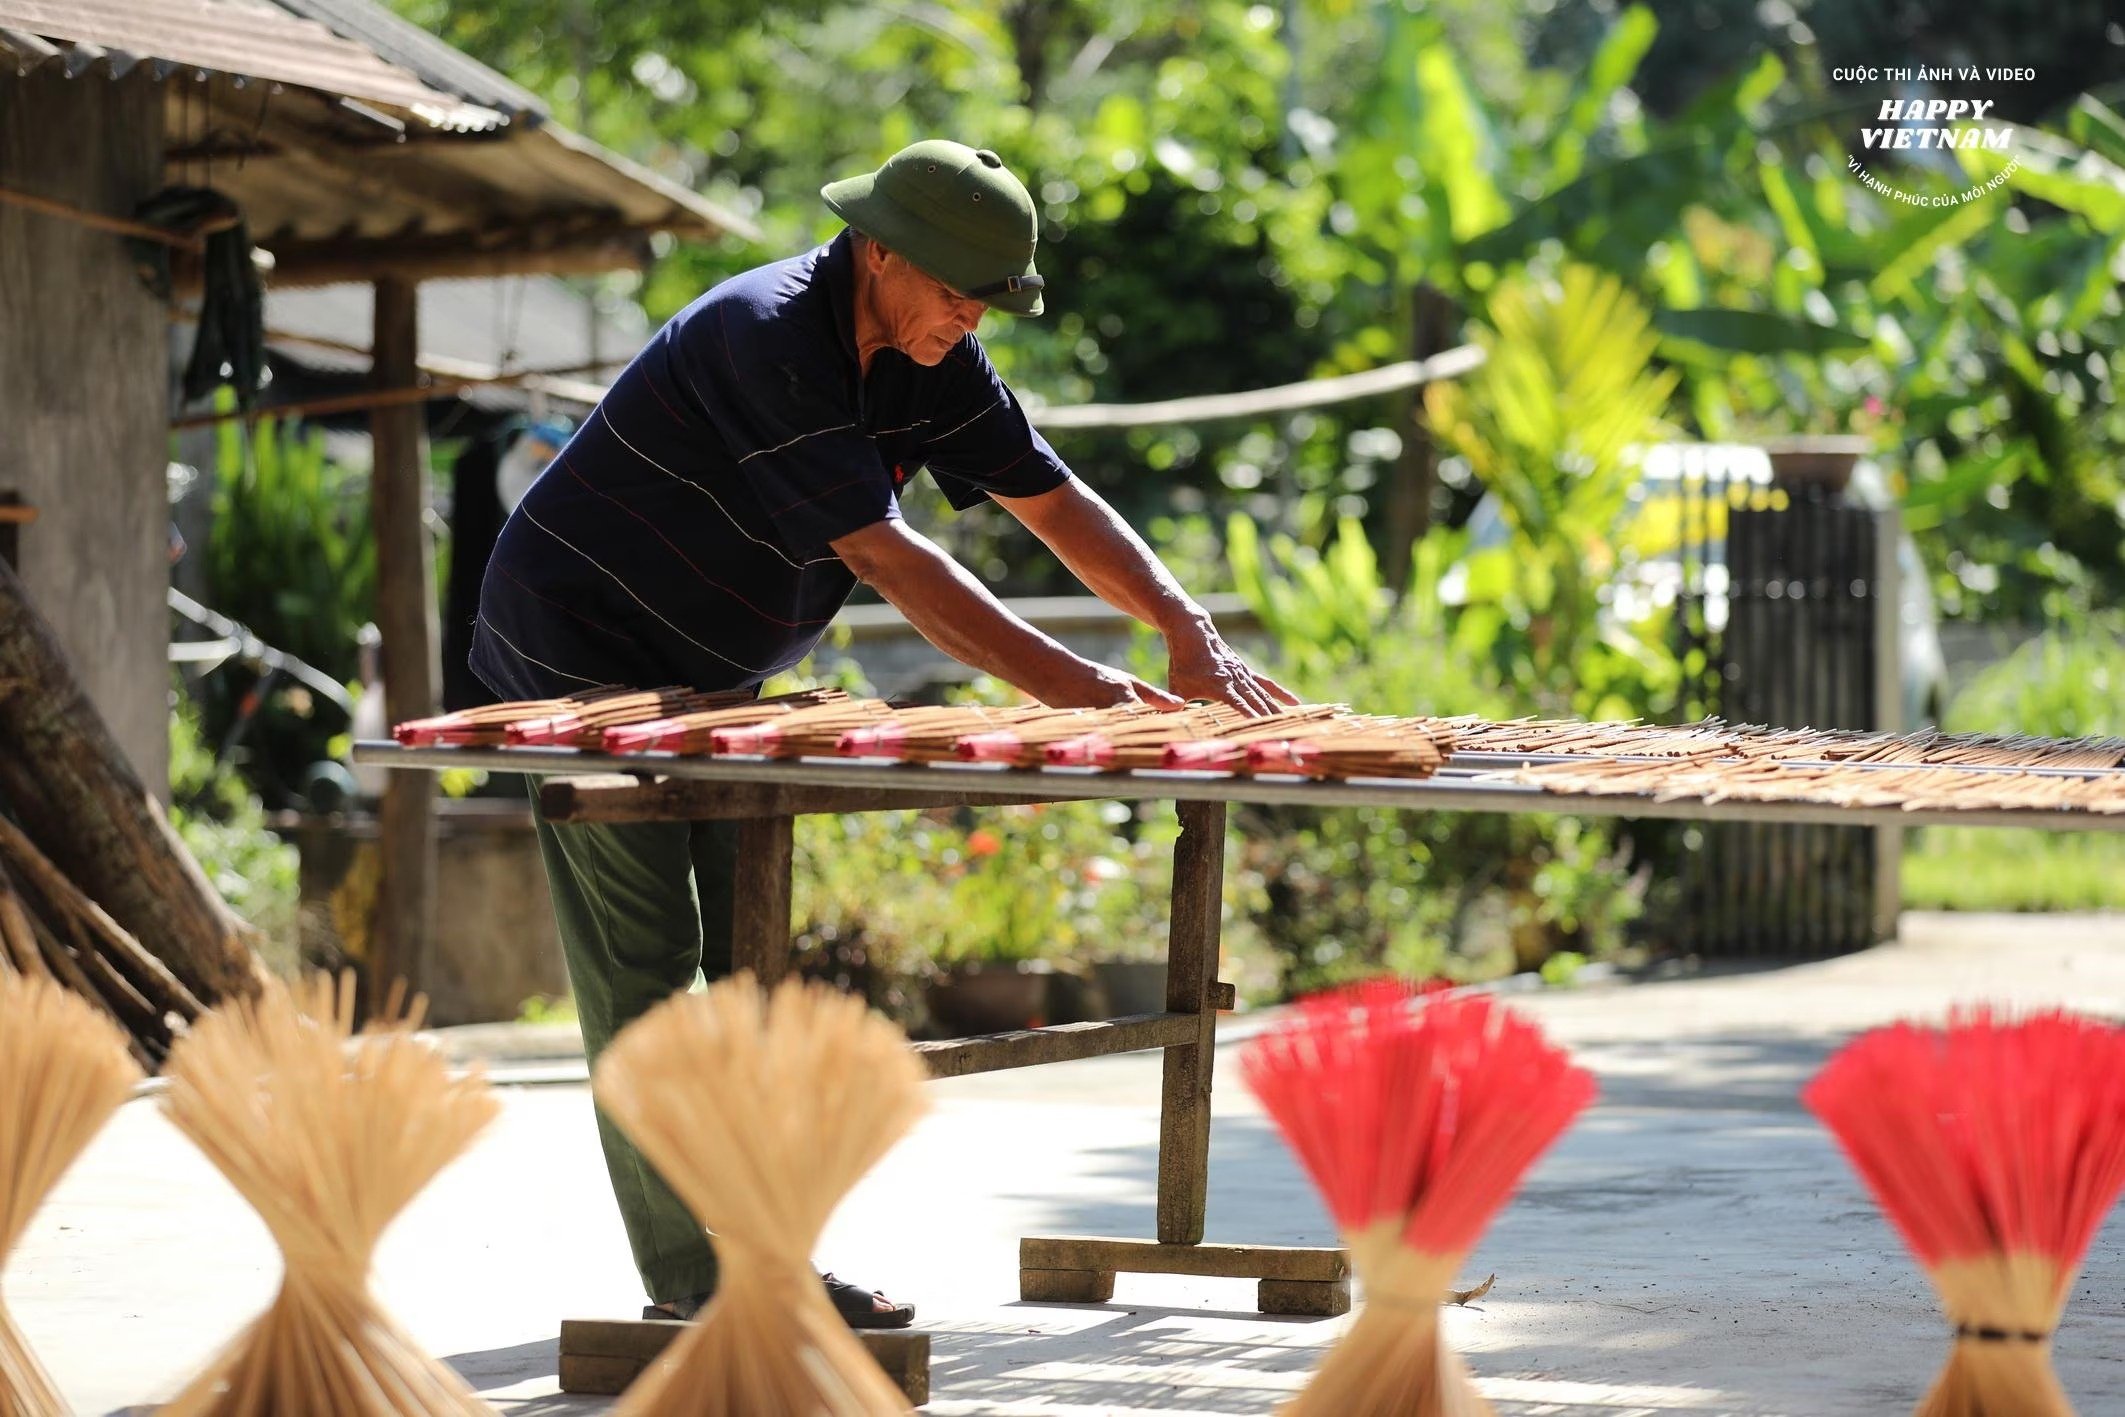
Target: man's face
<point>924,317</point>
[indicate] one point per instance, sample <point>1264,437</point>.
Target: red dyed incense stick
<point>1995,1147</point>
<point>1416,1119</point>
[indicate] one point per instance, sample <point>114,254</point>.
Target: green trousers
<point>644,911</point>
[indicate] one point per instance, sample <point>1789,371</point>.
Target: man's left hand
<point>1202,666</point>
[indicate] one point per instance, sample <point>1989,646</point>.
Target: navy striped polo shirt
<point>682,536</point>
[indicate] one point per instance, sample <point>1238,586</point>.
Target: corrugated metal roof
<point>475,179</point>
<point>407,45</point>
<point>250,39</point>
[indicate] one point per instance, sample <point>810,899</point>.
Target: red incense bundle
<point>586,727</point>
<point>1229,749</point>
<point>1416,1119</point>
<point>1024,744</point>
<point>928,734</point>
<point>489,725</point>
<point>1995,1147</point>
<point>1140,740</point>
<point>800,733</point>
<point>1406,752</point>
<point>691,732</point>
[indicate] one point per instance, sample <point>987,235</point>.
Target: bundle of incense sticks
<point>802,732</point>
<point>488,726</point>
<point>63,1072</point>
<point>1996,1147</point>
<point>931,735</point>
<point>1989,750</point>
<point>762,1110</point>
<point>1917,788</point>
<point>585,727</point>
<point>1408,753</point>
<point>1025,744</point>
<point>1706,739</point>
<point>1141,740</point>
<point>691,732</point>
<point>1416,1121</point>
<point>328,1136</point>
<point>1228,750</point>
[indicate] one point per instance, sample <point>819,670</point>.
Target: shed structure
<point>360,149</point>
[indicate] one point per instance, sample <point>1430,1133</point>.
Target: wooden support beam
<point>1056,1043</point>
<point>456,256</point>
<point>1085,1252</point>
<point>406,618</point>
<point>760,927</point>
<point>603,1356</point>
<point>615,797</point>
<point>1191,989</point>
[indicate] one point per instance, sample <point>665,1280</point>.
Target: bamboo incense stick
<point>63,1071</point>
<point>762,1110</point>
<point>328,1136</point>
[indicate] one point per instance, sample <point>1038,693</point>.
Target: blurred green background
<point>1643,214</point>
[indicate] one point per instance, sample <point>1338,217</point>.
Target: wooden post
<point>1888,711</point>
<point>1191,983</point>
<point>760,927</point>
<point>1416,472</point>
<point>406,616</point>
<point>71,788</point>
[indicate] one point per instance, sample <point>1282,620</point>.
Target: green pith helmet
<point>956,213</point>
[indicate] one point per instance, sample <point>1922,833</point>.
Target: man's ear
<point>874,255</point>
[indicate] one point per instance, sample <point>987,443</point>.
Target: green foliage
<point>291,555</point>
<point>2061,684</point>
<point>1961,868</point>
<point>291,558</point>
<point>1354,892</point>
<point>1561,970</point>
<point>2065,683</point>
<point>1566,389</point>
<point>222,824</point>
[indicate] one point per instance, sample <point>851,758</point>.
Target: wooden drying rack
<point>765,796</point>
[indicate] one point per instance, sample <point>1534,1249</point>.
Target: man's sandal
<point>860,1308</point>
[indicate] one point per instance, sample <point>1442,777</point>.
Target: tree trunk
<point>1416,474</point>
<point>75,794</point>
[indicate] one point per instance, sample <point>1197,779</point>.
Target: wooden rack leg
<point>760,925</point>
<point>1191,981</point>
<point>1079,1269</point>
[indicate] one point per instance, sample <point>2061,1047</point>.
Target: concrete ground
<point>1694,1245</point>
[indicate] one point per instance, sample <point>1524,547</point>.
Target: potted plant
<point>1004,918</point>
<point>1128,885</point>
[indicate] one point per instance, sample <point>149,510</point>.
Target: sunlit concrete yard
<point>1694,1245</point>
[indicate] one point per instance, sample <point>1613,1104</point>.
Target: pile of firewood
<point>50,930</point>
<point>96,891</point>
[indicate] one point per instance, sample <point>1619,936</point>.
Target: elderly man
<point>708,520</point>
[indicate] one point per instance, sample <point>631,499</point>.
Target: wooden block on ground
<point>1081,1252</point>
<point>1303,1298</point>
<point>1065,1286</point>
<point>602,1356</point>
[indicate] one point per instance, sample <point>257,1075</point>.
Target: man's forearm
<point>1105,553</point>
<point>956,613</point>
